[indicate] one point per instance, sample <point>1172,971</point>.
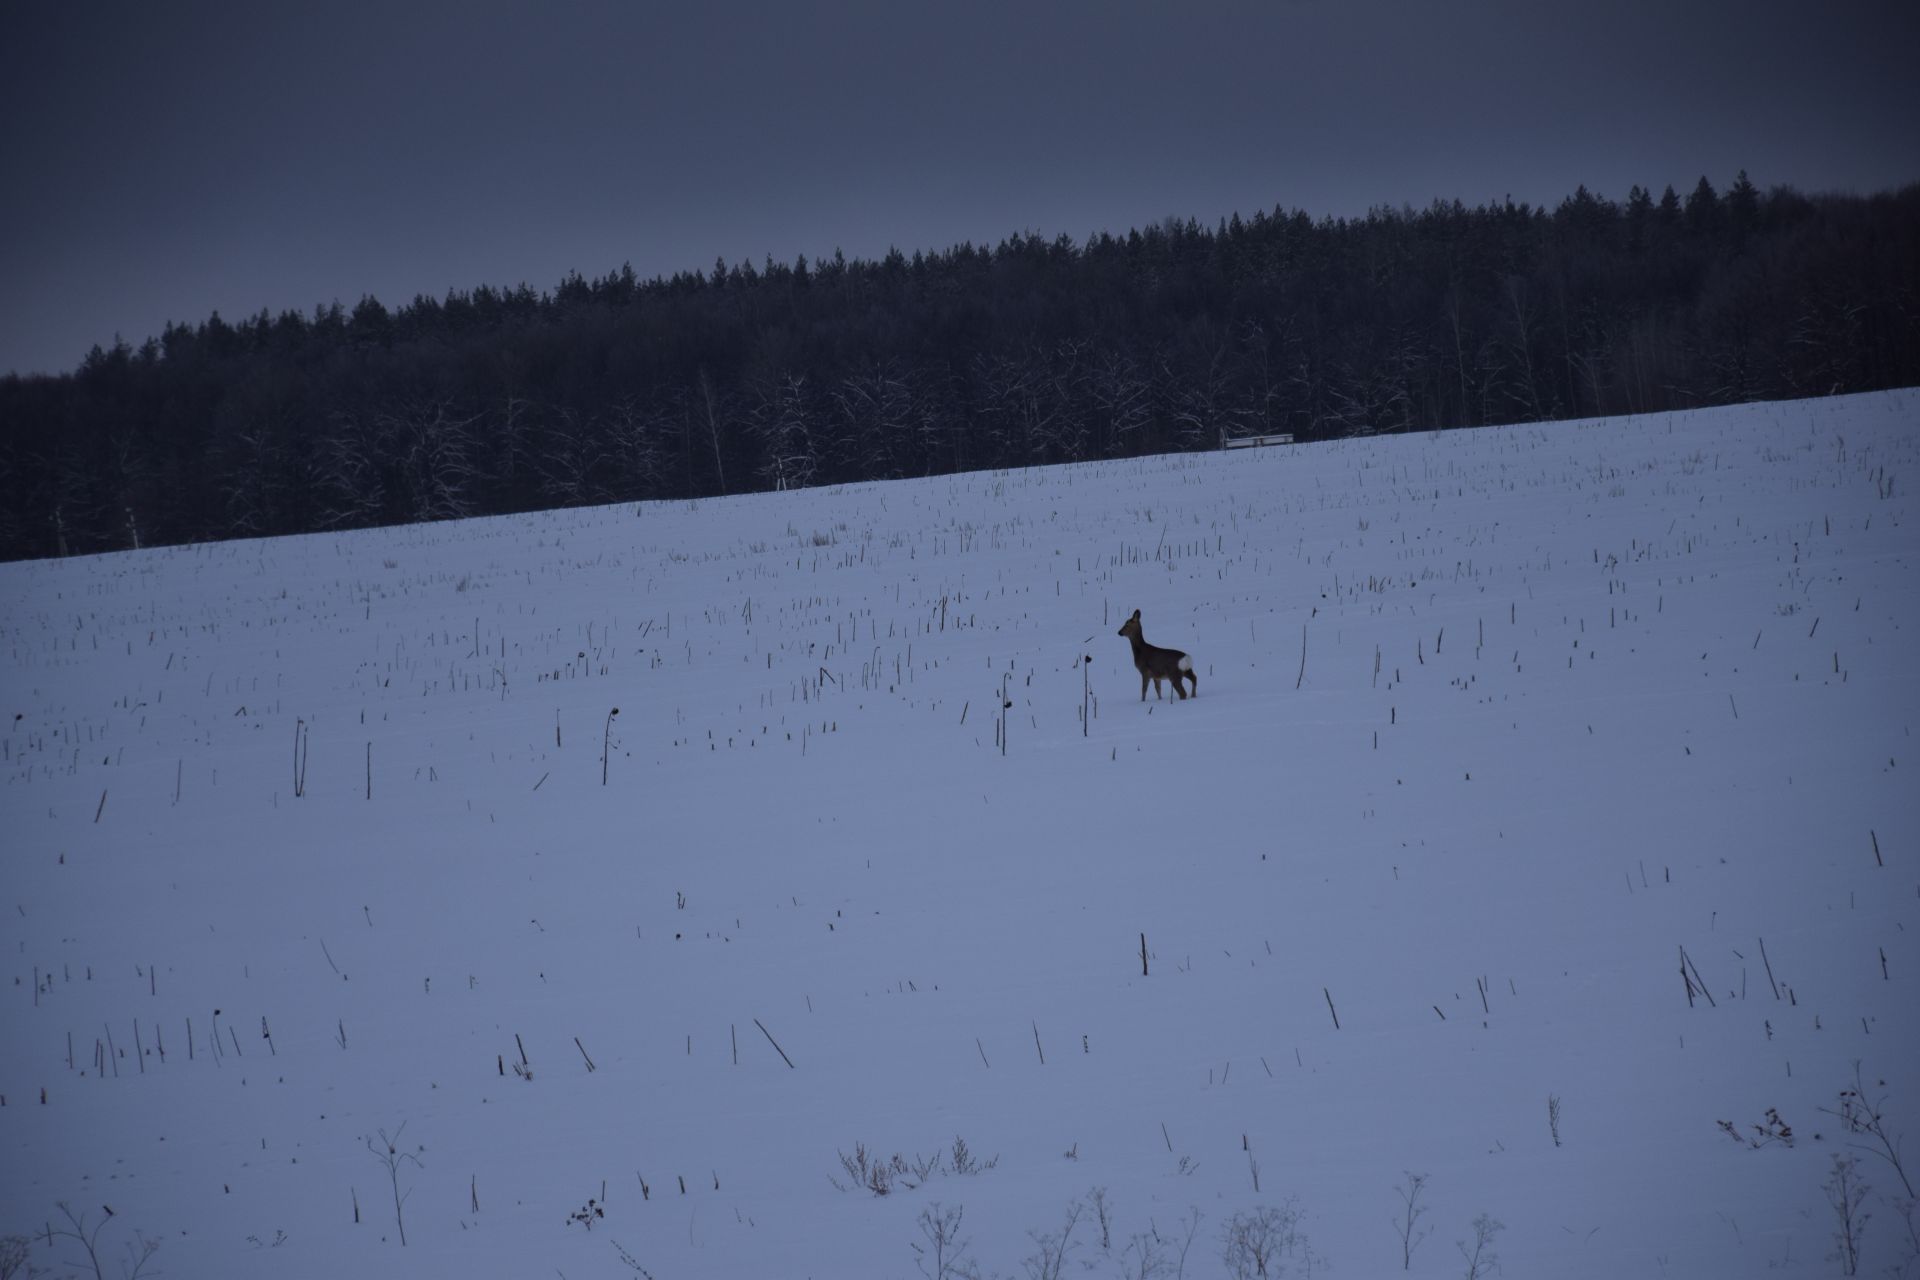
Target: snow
<point>1574,698</point>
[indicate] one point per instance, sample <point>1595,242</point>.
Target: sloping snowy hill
<point>312,839</point>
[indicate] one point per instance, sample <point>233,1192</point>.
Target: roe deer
<point>1158,664</point>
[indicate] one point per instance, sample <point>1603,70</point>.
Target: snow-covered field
<point>314,840</point>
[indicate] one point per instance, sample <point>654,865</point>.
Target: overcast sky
<point>164,160</point>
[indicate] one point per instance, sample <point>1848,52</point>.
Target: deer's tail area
<point>1186,668</point>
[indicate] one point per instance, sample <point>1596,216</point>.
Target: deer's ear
<point>1136,615</point>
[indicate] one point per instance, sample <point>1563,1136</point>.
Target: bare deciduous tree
<point>784,427</point>
<point>433,453</point>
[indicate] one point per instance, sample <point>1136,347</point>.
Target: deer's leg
<point>1143,686</point>
<point>1194,679</point>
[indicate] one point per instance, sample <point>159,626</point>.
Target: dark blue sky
<point>163,160</point>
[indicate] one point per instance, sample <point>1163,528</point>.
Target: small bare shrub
<point>1773,1130</point>
<point>13,1257</point>
<point>1191,1221</point>
<point>1102,1215</point>
<point>875,1173</point>
<point>1864,1117</point>
<point>392,1159</point>
<point>1482,1261</point>
<point>1908,1268</point>
<point>139,1250</point>
<point>1847,1193</point>
<point>882,1176</point>
<point>590,1212</point>
<point>1049,1260</point>
<point>1408,1223</point>
<point>944,1256</point>
<point>1262,1242</point>
<point>1145,1258</point>
<point>963,1160</point>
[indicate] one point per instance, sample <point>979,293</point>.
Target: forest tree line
<point>1031,351</point>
